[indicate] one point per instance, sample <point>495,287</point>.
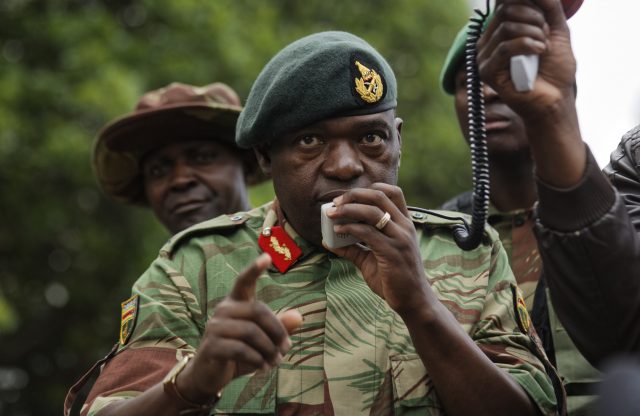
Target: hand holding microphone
<point>530,28</point>
<point>524,68</point>
<point>539,28</point>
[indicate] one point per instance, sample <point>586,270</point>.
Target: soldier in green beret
<point>513,192</point>
<point>402,323</point>
<point>176,154</point>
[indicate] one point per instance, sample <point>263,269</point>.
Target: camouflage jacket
<point>352,356</point>
<point>590,242</point>
<point>515,229</point>
<point>516,232</point>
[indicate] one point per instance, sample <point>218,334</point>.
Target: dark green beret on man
<point>283,100</point>
<point>455,58</point>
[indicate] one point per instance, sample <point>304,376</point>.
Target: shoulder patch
<point>128,318</point>
<point>520,310</point>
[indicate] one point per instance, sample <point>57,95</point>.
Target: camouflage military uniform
<point>516,233</point>
<point>353,355</point>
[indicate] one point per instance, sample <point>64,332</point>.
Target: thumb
<point>291,319</point>
<point>554,12</point>
<point>244,288</point>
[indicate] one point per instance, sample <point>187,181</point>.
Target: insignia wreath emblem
<point>369,86</point>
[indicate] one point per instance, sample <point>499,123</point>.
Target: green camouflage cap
<point>164,116</point>
<point>453,61</point>
<point>324,75</point>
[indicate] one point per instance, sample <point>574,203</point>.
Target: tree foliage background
<point>68,255</point>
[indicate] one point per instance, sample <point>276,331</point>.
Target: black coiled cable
<point>469,237</point>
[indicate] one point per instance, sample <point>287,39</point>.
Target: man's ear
<point>398,122</point>
<point>262,155</point>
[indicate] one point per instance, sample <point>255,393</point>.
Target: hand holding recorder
<point>526,27</point>
<point>387,254</point>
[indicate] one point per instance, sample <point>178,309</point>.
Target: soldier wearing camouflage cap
<point>402,323</point>
<point>176,154</point>
<point>513,192</point>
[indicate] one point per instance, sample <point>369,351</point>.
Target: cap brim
<point>146,130</point>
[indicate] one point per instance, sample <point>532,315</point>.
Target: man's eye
<point>204,157</point>
<point>372,139</point>
<point>310,140</point>
<point>156,171</point>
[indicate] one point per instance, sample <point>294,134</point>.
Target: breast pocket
<point>414,393</point>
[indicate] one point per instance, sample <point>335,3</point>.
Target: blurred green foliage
<point>68,255</point>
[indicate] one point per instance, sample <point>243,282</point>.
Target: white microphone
<point>524,68</point>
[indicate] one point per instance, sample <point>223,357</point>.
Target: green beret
<point>453,62</point>
<point>324,75</point>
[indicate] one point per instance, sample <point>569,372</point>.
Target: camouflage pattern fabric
<point>516,233</point>
<point>353,355</point>
<point>515,229</point>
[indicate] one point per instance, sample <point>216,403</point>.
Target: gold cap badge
<point>369,85</point>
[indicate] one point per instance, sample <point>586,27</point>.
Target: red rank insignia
<point>282,249</point>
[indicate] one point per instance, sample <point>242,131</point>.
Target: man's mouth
<point>493,123</point>
<point>330,195</point>
<point>187,206</point>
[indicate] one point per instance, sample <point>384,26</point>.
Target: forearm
<point>556,143</point>
<point>592,273</point>
<point>155,401</point>
<point>152,402</point>
<point>455,362</point>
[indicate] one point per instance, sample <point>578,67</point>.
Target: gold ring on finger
<point>383,221</point>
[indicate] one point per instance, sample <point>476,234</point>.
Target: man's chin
<point>183,222</point>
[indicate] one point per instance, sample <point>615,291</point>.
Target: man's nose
<point>489,93</point>
<point>343,161</point>
<point>182,175</point>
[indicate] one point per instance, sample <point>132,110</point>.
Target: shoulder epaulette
<point>205,227</point>
<point>437,217</point>
<point>447,219</point>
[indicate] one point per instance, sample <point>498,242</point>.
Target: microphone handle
<point>524,70</point>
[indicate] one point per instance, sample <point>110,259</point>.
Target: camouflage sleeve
<point>505,334</point>
<point>163,319</point>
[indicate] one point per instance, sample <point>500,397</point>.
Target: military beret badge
<point>369,84</point>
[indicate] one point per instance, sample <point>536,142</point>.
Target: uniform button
<point>236,218</point>
<point>417,215</point>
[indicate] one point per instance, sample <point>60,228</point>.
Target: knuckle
<point>259,309</point>
<point>396,191</point>
<point>237,351</point>
<point>222,308</point>
<point>213,324</point>
<point>250,331</point>
<point>502,51</point>
<point>379,195</point>
<point>509,29</point>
